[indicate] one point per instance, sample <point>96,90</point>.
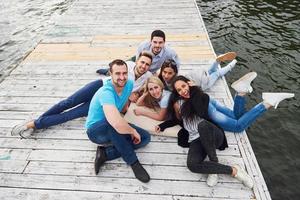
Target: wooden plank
<point>40,194</point>
<point>13,160</point>
<point>124,185</point>
<point>86,145</point>
<point>175,173</point>
<point>166,159</point>
<point>61,157</point>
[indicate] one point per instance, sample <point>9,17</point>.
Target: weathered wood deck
<point>58,163</point>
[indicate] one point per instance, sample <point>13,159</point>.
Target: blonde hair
<point>149,100</point>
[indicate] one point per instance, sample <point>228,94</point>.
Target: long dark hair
<point>171,64</point>
<point>196,105</point>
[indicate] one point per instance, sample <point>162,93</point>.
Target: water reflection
<point>266,36</point>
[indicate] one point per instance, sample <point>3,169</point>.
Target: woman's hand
<point>191,83</point>
<point>157,129</point>
<point>138,111</point>
<point>134,97</point>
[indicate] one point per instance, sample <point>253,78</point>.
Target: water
<point>23,23</point>
<point>264,33</point>
<point>266,36</point>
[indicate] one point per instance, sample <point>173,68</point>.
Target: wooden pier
<point>58,162</point>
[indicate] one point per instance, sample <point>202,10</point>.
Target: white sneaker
<point>22,130</point>
<point>275,98</point>
<point>232,64</point>
<point>244,83</point>
<point>242,176</point>
<point>212,180</point>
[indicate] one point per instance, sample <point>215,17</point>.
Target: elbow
<point>160,118</point>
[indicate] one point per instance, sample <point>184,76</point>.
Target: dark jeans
<point>211,137</point>
<point>121,145</point>
<point>75,106</point>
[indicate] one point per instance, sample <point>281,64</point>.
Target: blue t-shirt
<point>107,95</point>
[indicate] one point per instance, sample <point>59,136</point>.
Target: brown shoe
<point>226,57</point>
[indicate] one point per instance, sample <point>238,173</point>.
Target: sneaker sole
<point>226,56</point>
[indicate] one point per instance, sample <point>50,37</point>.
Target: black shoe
<point>103,72</point>
<point>139,172</point>
<point>100,158</point>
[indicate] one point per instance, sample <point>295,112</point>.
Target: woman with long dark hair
<point>236,120</point>
<point>200,115</point>
<point>203,78</point>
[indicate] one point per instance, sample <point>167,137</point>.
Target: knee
<point>190,165</point>
<point>66,102</point>
<point>239,127</point>
<point>146,138</point>
<point>193,165</point>
<point>205,126</point>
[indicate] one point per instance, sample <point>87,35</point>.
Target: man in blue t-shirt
<point>105,125</point>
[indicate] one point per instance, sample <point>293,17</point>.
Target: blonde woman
<point>154,97</point>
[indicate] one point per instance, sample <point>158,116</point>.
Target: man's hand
<point>136,138</point>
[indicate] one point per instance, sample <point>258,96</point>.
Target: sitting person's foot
<point>104,71</point>
<point>274,99</point>
<point>22,130</point>
<point>232,64</point>
<point>100,158</point>
<point>226,57</point>
<point>243,85</point>
<point>212,180</point>
<point>140,172</point>
<point>243,177</point>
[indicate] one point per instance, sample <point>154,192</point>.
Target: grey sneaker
<point>22,130</point>
<point>212,180</point>
<point>243,177</point>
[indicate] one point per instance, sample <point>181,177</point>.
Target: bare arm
<point>117,122</point>
<point>160,115</point>
<point>177,108</point>
<point>114,118</point>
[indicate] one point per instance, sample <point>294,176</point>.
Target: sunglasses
<point>170,61</point>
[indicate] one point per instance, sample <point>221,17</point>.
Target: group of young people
<point>155,81</point>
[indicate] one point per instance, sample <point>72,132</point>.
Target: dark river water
<point>266,36</point>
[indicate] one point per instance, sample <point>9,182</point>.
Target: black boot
<point>100,158</point>
<point>139,172</point>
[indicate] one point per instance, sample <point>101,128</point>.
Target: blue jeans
<point>121,144</point>
<point>76,104</point>
<point>236,120</point>
<point>215,73</point>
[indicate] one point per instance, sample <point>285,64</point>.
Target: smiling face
<point>157,43</point>
<point>182,88</point>
<point>119,75</point>
<point>168,74</point>
<point>142,65</point>
<point>155,90</point>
